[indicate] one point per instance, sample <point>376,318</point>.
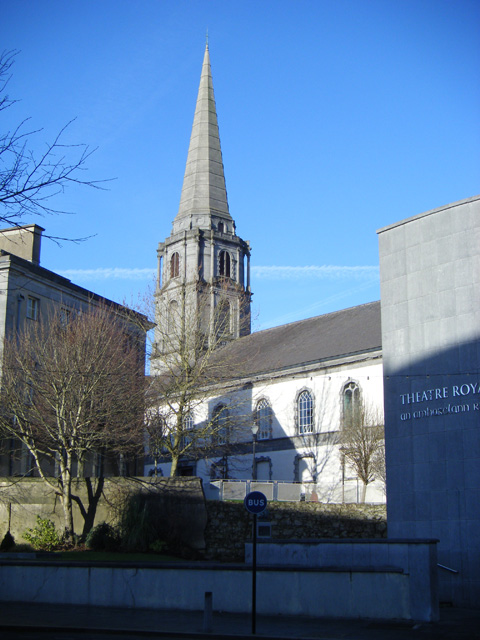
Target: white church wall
<point>287,456</point>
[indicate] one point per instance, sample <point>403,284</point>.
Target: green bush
<point>8,542</point>
<point>159,546</point>
<point>138,524</point>
<point>103,537</point>
<point>44,536</point>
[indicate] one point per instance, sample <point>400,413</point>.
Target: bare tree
<point>362,441</point>
<point>195,370</point>
<point>72,388</point>
<point>29,180</point>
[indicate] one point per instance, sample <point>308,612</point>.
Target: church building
<point>288,391</point>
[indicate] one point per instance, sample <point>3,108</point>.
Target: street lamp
<point>254,465</point>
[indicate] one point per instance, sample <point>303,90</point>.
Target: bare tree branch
<point>362,443</point>
<point>195,369</point>
<point>72,390</point>
<point>28,180</point>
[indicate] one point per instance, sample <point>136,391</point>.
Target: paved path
<point>25,619</point>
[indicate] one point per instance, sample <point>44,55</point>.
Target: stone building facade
<point>29,294</point>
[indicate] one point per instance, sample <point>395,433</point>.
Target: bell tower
<point>203,266</point>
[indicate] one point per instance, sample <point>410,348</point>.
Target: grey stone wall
<point>430,291</point>
<point>230,525</point>
<point>21,500</point>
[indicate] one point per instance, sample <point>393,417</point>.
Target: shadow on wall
<point>432,417</point>
<point>174,507</point>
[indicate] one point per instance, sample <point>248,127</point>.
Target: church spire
<point>203,193</point>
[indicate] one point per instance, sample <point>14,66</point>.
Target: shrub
<point>103,537</point>
<point>159,546</point>
<point>44,536</point>
<point>8,542</point>
<point>138,523</point>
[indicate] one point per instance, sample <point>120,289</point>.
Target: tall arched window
<point>220,424</point>
<point>223,319</point>
<point>351,404</point>
<point>175,265</point>
<point>225,264</point>
<point>188,426</point>
<point>263,418</point>
<point>221,227</point>
<point>172,316</point>
<point>305,412</point>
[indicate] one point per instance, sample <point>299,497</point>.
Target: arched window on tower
<point>221,227</point>
<point>225,264</point>
<point>351,404</point>
<point>172,319</point>
<point>305,412</point>
<point>175,265</point>
<point>223,328</point>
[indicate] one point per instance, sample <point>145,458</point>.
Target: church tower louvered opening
<point>203,266</point>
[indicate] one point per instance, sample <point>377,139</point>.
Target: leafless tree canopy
<point>191,355</point>
<point>28,179</point>
<point>362,444</point>
<point>73,388</point>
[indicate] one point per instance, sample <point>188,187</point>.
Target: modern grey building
<point>430,298</point>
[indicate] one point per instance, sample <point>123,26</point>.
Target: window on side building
<point>351,404</point>
<point>263,418</point>
<point>305,412</point>
<point>33,308</point>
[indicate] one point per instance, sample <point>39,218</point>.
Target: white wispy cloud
<point>110,273</point>
<point>318,272</point>
<point>271,272</point>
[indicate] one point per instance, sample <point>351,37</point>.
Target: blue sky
<point>336,119</point>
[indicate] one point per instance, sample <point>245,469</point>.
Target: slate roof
<point>334,335</point>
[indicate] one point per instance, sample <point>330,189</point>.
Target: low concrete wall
<point>352,594</point>
<point>415,559</point>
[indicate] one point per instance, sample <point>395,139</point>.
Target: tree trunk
<point>66,498</point>
<point>174,467</point>
<point>363,492</point>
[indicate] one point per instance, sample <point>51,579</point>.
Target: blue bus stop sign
<point>255,502</point>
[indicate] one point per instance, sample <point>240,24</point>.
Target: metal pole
<point>254,464</point>
<point>254,575</point>
<point>207,612</point>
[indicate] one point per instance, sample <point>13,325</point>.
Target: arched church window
<point>351,404</point>
<point>263,418</point>
<point>220,424</point>
<point>172,316</point>
<point>188,427</point>
<point>225,264</point>
<point>305,412</point>
<point>175,265</point>
<point>223,319</point>
<point>221,227</point>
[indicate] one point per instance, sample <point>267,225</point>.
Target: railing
<point>278,491</point>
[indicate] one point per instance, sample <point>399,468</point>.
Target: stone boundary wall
<point>181,499</point>
<point>230,525</point>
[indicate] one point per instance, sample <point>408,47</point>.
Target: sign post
<point>255,502</point>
